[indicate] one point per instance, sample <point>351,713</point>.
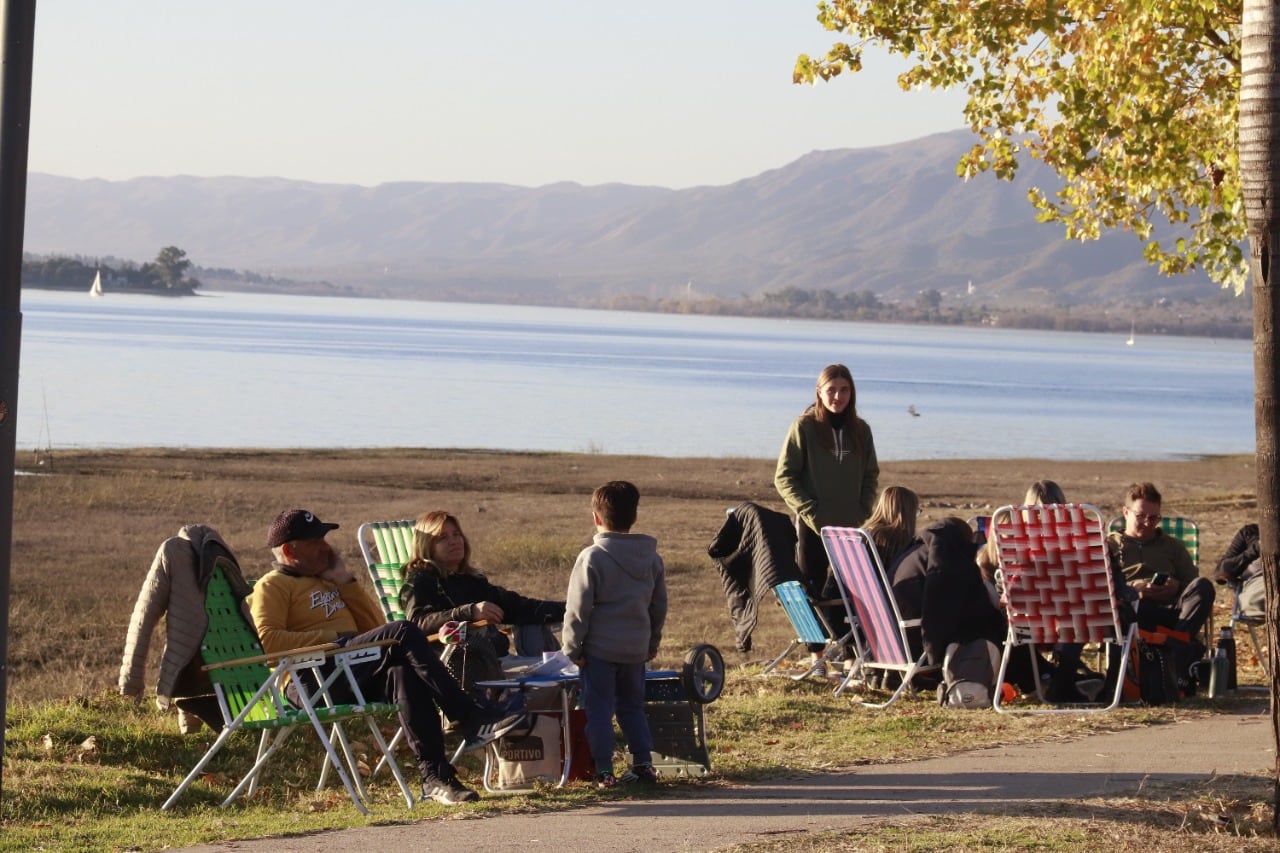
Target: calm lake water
<point>244,370</point>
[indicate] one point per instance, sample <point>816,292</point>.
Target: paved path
<point>714,818</point>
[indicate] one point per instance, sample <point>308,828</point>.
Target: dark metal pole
<point>18,18</point>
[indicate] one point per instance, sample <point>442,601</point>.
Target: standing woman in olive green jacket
<point>827,473</point>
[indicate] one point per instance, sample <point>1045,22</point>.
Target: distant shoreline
<point>118,291</point>
<point>83,455</point>
<point>1042,318</point>
<point>76,451</point>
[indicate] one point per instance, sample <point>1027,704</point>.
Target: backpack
<point>1161,667</point>
<point>969,674</point>
<point>1157,677</point>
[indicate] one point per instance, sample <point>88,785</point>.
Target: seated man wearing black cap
<point>310,597</point>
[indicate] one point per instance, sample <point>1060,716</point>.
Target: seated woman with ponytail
<point>441,585</point>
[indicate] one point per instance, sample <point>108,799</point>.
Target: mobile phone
<point>1159,578</point>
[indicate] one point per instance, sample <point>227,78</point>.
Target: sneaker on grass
<point>448,792</point>
<point>640,774</point>
<point>605,781</point>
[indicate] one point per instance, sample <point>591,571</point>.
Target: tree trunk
<point>1260,174</point>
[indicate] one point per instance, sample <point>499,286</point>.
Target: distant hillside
<point>894,220</point>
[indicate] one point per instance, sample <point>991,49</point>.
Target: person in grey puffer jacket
<point>614,612</point>
<point>174,589</point>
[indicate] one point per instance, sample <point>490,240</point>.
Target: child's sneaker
<point>605,781</point>
<point>641,774</point>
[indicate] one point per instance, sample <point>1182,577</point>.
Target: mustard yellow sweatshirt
<point>291,611</point>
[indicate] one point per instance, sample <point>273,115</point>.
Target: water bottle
<point>1219,673</point>
<point>1227,645</point>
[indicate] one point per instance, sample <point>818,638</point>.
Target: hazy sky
<point>675,93</point>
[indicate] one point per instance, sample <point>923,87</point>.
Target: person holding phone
<point>1157,567</point>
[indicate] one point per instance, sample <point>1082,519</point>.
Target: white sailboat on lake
<point>1132,328</point>
<point>95,289</point>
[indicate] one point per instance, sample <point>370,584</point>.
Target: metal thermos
<point>1219,672</point>
<point>1227,645</point>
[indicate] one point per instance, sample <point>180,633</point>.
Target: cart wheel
<point>703,674</point>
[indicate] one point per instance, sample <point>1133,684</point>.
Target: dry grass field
<point>86,527</point>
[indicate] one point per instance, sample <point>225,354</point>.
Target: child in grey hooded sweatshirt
<point>614,612</point>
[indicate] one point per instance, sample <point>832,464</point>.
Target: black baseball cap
<point>294,524</point>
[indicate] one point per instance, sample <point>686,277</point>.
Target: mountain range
<point>892,219</point>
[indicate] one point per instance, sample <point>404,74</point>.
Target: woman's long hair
<point>1039,492</point>
<point>848,418</point>
<point>427,530</point>
<point>892,525</point>
<point>820,412</point>
<point>1044,492</point>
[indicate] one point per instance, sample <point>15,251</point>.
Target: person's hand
<point>1159,593</point>
<point>337,573</point>
<point>1167,592</point>
<point>486,610</point>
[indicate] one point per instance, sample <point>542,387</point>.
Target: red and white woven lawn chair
<point>865,587</point>
<point>1057,587</point>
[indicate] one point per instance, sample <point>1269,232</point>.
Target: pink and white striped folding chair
<point>1057,586</point>
<point>867,595</point>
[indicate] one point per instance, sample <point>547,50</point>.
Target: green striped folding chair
<point>250,687</point>
<point>386,546</point>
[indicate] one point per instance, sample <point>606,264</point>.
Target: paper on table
<point>553,663</point>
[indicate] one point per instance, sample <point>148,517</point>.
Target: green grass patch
<point>91,774</point>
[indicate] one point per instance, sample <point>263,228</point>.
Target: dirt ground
<point>86,525</point>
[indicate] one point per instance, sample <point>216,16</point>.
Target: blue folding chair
<point>810,627</point>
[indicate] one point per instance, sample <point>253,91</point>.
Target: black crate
<point>679,738</point>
